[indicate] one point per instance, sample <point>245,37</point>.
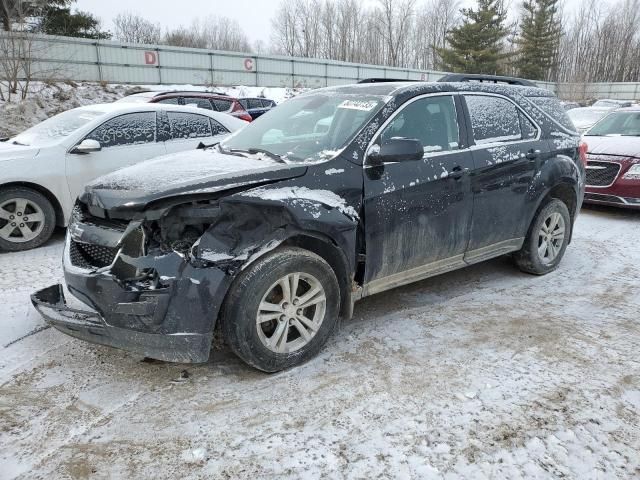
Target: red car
<point>613,159</point>
<point>209,100</point>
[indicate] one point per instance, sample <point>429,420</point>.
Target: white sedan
<point>43,169</point>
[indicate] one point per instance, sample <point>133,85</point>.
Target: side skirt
<point>441,266</point>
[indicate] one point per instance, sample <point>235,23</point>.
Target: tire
<point>17,204</point>
<point>277,342</point>
<point>544,248</point>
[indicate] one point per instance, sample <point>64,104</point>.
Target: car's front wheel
<point>546,240</point>
<point>281,310</point>
<point>27,219</point>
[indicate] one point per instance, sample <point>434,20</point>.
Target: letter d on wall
<point>150,58</point>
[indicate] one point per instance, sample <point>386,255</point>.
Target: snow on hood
<point>9,151</point>
<point>613,145</point>
<point>191,168</point>
<point>185,173</point>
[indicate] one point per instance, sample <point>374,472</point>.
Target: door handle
<point>532,154</point>
<point>456,172</point>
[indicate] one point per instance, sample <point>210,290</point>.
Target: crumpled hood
<point>621,146</point>
<point>8,151</point>
<point>185,173</point>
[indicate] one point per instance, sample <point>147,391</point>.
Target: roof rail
<point>472,77</point>
<point>187,92</point>
<point>382,80</point>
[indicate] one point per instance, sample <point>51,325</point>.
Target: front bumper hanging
<point>92,327</point>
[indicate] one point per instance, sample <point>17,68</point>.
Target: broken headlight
<point>180,228</point>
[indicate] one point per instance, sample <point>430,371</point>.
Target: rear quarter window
<point>553,108</point>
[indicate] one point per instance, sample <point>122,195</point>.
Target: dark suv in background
<point>256,106</point>
<point>277,231</point>
<point>209,100</point>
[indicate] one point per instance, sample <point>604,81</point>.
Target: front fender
<point>254,222</point>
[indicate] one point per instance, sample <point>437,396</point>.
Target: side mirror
<point>396,150</point>
<point>87,146</point>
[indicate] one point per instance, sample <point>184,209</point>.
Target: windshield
<point>585,117</point>
<point>620,123</point>
<point>56,128</point>
<point>606,104</point>
<point>311,127</point>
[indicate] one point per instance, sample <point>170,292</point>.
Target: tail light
<point>239,112</point>
<point>582,152</point>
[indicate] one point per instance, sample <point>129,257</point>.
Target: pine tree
<point>539,38</point>
<point>56,20</point>
<point>49,16</point>
<point>475,46</point>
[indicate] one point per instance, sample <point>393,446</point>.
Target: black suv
<point>273,234</point>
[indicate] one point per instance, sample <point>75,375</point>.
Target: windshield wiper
<point>18,143</point>
<point>202,146</point>
<point>254,151</point>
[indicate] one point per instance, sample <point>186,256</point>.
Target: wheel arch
<point>330,252</point>
<point>565,191</point>
<point>57,207</point>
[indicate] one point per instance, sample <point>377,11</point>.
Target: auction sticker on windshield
<point>364,105</point>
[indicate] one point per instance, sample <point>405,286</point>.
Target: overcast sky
<point>253,15</point>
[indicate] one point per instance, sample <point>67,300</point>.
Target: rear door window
<point>169,101</point>
<point>493,119</point>
<point>128,129</point>
<point>221,105</point>
<point>188,125</point>
<point>198,102</point>
<point>255,103</point>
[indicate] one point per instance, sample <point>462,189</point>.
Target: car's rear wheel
<point>281,310</point>
<point>546,240</point>
<point>27,219</point>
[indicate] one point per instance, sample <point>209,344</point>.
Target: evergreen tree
<point>56,20</point>
<point>475,46</point>
<point>539,39</point>
<point>49,16</point>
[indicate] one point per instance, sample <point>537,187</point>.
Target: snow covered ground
<point>46,100</point>
<point>481,373</point>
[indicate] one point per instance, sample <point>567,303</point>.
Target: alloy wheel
<point>551,238</point>
<point>291,312</point>
<point>21,220</point>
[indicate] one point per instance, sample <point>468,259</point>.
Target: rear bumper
<point>89,325</point>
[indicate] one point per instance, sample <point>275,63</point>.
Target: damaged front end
<point>147,291</point>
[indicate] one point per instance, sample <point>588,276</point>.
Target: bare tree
<point>214,32</point>
<point>389,32</point>
<point>20,52</point>
<point>397,18</point>
<point>132,28</point>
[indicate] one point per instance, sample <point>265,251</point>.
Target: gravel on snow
<point>481,373</point>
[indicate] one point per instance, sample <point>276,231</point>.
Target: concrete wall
<point>65,58</point>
